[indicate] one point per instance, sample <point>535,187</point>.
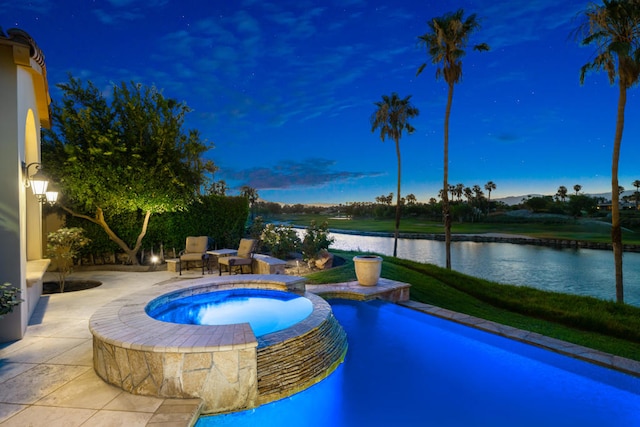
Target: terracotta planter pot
<point>368,268</point>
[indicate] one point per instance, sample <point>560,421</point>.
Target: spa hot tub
<point>148,343</point>
<point>265,310</point>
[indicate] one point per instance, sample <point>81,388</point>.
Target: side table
<point>217,254</point>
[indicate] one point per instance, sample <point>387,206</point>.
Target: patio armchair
<point>244,257</point>
<point>195,250</point>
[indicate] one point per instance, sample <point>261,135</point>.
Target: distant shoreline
<point>492,238</point>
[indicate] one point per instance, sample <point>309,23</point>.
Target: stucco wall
<point>20,212</point>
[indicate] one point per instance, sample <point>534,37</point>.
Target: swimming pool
<point>266,311</point>
<point>405,368</point>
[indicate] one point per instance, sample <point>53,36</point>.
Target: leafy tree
<point>123,152</point>
<point>411,199</point>
<point>489,186</point>
<point>580,203</point>
<point>445,42</point>
<point>537,204</point>
<point>614,29</point>
<point>392,118</point>
<point>577,188</point>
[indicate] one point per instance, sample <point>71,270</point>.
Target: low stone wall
<point>265,264</point>
<point>34,277</point>
<point>224,379</point>
<point>262,264</point>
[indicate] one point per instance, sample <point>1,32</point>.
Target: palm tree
<point>614,29</point>
<point>452,190</point>
<point>562,193</point>
<point>445,43</point>
<point>251,194</point>
<point>468,193</point>
<point>391,117</point>
<point>577,188</point>
<point>489,186</point>
<point>636,184</point>
<point>477,190</point>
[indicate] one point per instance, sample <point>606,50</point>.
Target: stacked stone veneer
<point>224,379</point>
<point>224,365</point>
<point>294,359</point>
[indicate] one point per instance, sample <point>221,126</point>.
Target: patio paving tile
<point>9,409</point>
<point>50,417</point>
<point>86,391</point>
<point>36,383</point>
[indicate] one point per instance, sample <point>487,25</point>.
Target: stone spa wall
<point>225,365</point>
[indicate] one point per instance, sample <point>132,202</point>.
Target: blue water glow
<point>405,368</point>
<point>266,311</point>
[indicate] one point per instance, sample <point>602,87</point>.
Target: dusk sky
<point>285,90</point>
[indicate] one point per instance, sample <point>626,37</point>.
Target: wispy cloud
<point>290,174</point>
<point>522,24</point>
<point>37,6</point>
<point>126,10</point>
<point>143,3</point>
<point>114,17</point>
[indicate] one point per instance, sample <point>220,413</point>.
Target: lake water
<point>575,271</point>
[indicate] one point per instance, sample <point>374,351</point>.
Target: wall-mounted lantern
<point>39,183</point>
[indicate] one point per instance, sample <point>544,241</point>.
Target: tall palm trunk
<point>395,234</point>
<point>616,229</point>
<point>446,214</point>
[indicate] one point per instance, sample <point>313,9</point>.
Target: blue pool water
<point>404,368</point>
<point>266,311</point>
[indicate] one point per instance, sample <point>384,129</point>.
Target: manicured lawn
<point>587,230</point>
<point>602,325</point>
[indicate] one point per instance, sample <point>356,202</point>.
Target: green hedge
<point>221,218</point>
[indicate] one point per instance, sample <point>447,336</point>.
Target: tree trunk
<point>132,253</point>
<point>446,211</point>
<point>616,229</point>
<point>397,229</point>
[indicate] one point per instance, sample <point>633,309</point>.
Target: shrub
<point>280,240</point>
<point>62,247</point>
<point>255,230</point>
<point>8,298</point>
<point>315,240</point>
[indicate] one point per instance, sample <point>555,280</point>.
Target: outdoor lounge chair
<point>195,250</point>
<point>244,257</point>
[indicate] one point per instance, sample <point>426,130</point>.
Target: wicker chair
<point>244,257</point>
<point>195,250</point>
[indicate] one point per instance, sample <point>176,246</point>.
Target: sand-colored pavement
<point>47,378</point>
